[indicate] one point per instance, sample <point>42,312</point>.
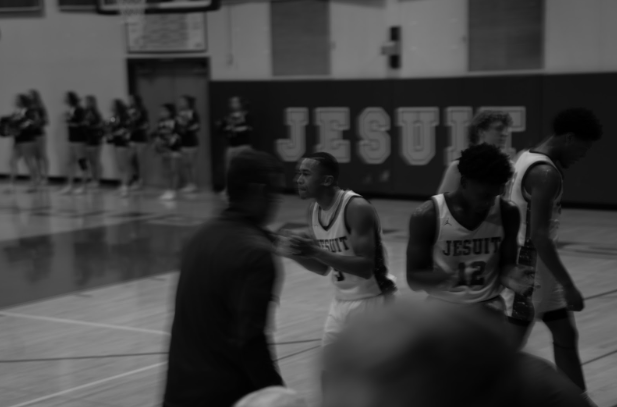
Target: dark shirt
<point>25,124</point>
<point>41,120</point>
<point>166,137</point>
<point>75,121</point>
<point>138,125</point>
<point>238,127</point>
<point>188,127</point>
<point>119,131</point>
<point>219,349</point>
<point>93,127</point>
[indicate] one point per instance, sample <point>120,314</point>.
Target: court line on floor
<point>119,376</point>
<point>83,323</point>
<point>599,357</point>
<point>85,386</point>
<point>121,327</point>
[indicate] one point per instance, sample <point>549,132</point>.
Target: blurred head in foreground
<point>272,397</point>
<point>421,354</point>
<point>254,183</point>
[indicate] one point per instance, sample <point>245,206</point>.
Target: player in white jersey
<point>490,127</point>
<point>537,188</point>
<point>462,244</point>
<point>344,236</point>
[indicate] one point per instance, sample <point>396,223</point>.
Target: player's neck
<point>327,198</point>
<point>549,147</point>
<point>459,205</point>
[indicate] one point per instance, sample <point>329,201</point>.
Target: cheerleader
<point>22,125</point>
<point>188,122</point>
<point>119,136</point>
<point>236,127</point>
<point>74,118</point>
<point>138,125</point>
<point>168,144</point>
<point>93,128</point>
<point>42,121</point>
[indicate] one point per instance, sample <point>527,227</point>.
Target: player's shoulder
<point>427,209</point>
<point>543,175</point>
<point>359,209</point>
<point>424,215</point>
<point>422,222</point>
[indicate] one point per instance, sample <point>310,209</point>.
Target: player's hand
<point>303,246</point>
<point>520,279</point>
<point>574,299</point>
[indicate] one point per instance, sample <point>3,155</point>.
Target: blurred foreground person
<point>431,354</point>
<point>272,397</point>
<point>219,347</point>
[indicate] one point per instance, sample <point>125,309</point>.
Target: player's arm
<point>361,220</point>
<point>422,234</point>
<point>451,179</point>
<point>544,183</point>
<point>511,275</point>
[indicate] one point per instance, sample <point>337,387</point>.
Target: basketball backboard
<point>162,6</point>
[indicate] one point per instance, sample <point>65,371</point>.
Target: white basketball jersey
<point>335,238</point>
<point>521,198</point>
<point>471,257</point>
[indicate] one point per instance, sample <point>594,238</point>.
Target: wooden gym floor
<point>87,283</point>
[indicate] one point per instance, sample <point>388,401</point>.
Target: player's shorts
<point>496,303</point>
<point>548,296</point>
<point>341,312</point>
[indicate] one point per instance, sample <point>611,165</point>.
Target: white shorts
<point>548,296</point>
<point>341,312</point>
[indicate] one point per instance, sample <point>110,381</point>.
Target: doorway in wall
<point>160,81</point>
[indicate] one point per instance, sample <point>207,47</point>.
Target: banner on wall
<point>391,137</point>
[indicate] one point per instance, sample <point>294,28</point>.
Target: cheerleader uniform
<point>119,134</point>
<point>138,125</point>
<point>93,128</point>
<point>74,120</point>
<point>167,140</point>
<point>188,126</point>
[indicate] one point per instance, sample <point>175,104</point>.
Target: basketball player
<point>344,236</point>
<point>490,127</point>
<point>462,245</point>
<point>537,188</point>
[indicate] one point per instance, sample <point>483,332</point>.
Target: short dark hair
<point>486,164</point>
<point>327,163</point>
<point>483,120</point>
<point>250,167</point>
<point>581,122</point>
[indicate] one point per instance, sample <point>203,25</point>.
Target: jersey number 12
<point>476,277</point>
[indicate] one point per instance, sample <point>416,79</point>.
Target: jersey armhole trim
<point>345,212</point>
<point>437,219</point>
